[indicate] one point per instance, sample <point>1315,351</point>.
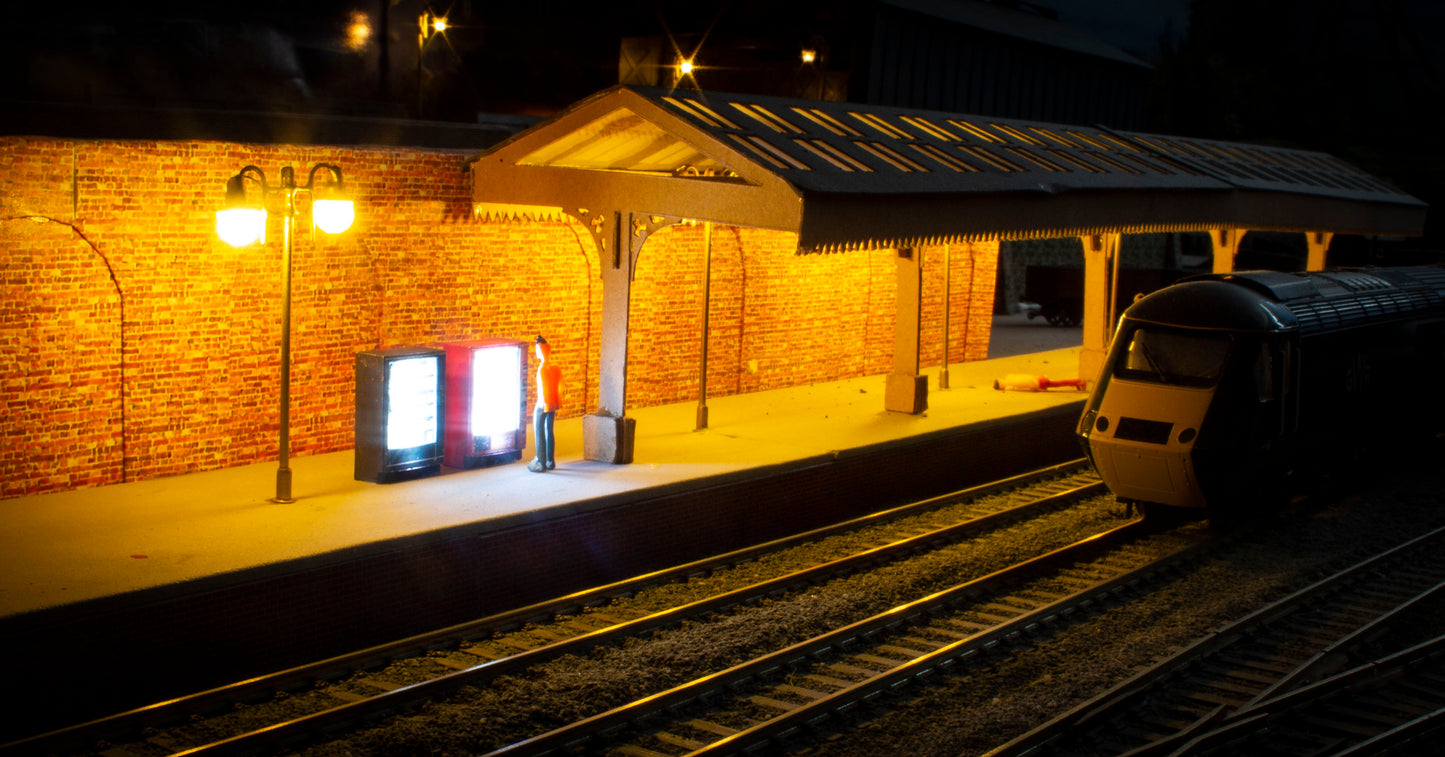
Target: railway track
<point>288,707</point>
<point>769,699</point>
<point>1350,662</point>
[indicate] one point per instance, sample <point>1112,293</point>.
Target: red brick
<point>135,344</point>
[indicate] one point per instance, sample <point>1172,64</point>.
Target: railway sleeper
<point>1267,664</point>
<point>1241,674</point>
<point>632,750</point>
<point>1350,725</point>
<point>1387,718</point>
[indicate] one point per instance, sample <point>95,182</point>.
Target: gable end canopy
<point>849,176</point>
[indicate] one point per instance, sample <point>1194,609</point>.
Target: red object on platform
<point>1025,382</point>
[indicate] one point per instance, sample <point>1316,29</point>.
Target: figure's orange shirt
<point>549,386</point>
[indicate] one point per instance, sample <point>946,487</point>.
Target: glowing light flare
<point>496,391</point>
<point>809,56</point>
<point>358,32</point>
<point>684,67</point>
<point>431,25</point>
<point>239,227</point>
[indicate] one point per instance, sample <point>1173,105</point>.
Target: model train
<point>1221,389</point>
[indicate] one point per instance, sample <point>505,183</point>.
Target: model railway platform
<point>204,577</point>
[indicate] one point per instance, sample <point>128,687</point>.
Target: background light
<point>685,67</point>
<point>809,56</point>
<point>358,32</point>
<point>412,407</point>
<point>496,392</point>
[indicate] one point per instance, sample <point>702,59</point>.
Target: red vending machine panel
<point>486,416</point>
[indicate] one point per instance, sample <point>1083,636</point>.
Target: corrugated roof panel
<point>849,175</point>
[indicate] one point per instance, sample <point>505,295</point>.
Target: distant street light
<point>358,32</point>
<point>243,222</point>
<point>430,25</point>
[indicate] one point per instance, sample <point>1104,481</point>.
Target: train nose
<point>1145,475</point>
<point>1145,460</point>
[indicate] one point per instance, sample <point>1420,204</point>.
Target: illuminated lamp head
<point>543,349</point>
<point>331,210</point>
<point>241,222</point>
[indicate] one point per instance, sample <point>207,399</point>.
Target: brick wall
<point>135,344</point>
<point>778,319</point>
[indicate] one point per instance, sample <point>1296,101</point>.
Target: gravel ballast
<point>963,714</point>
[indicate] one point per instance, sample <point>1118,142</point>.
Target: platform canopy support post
<point>1101,273</point>
<point>947,309</point>
<point>1226,246</point>
<point>907,391</point>
<point>1319,245</point>
<point>608,434</point>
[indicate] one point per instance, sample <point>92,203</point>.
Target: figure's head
<point>542,348</point>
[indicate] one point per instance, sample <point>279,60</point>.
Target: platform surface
<point>72,546</point>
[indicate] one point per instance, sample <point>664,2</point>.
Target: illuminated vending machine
<point>486,417</point>
<point>400,395</point>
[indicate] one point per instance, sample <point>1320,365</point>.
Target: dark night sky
<point>214,53</point>
<point>1361,79</point>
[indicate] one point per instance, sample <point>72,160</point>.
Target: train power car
<point>1221,389</point>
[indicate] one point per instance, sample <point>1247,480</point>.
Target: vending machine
<point>400,396</point>
<point>486,415</point>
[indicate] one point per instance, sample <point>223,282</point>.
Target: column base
<point>1091,364</point>
<point>906,393</point>
<point>608,438</point>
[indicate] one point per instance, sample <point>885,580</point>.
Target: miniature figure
<point>1023,382</point>
<point>544,413</point>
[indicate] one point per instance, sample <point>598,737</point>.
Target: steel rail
<point>577,734</point>
<point>396,699</point>
<point>1370,675</point>
<point>1101,707</point>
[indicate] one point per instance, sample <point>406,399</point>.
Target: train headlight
<point>1187,435</point>
<point>1102,424</point>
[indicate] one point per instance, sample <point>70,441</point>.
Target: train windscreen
<point>1169,356</point>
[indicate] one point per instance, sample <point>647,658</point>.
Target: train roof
<point>1315,302</point>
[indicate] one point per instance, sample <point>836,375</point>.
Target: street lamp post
<point>242,223</point>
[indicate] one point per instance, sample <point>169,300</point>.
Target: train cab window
<point>1169,356</point>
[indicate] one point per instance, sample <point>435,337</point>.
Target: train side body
<point>1218,390</point>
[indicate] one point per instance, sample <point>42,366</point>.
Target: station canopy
<point>848,176</point>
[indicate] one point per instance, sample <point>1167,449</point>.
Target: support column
<point>907,391</point>
<point>608,434</point>
<point>706,307</point>
<point>1226,246</point>
<point>1101,268</point>
<point>1319,244</point>
<point>947,311</point>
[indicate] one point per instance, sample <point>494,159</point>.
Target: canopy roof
<point>845,176</point>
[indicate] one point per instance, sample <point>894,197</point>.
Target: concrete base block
<point>608,438</point>
<point>906,393</point>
